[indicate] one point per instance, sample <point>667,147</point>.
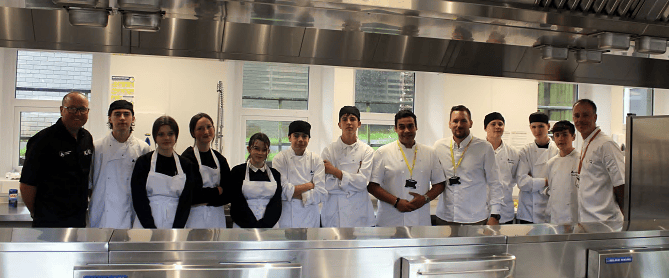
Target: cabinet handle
<point>462,272</point>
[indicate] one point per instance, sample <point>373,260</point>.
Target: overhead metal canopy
<point>491,38</point>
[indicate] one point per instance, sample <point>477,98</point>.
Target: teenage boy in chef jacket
<point>561,182</point>
<point>302,180</point>
<point>532,172</point>
<point>113,163</point>
<point>507,162</point>
<point>348,166</point>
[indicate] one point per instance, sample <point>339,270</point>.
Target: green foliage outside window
<point>556,100</point>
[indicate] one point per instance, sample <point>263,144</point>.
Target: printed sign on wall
<point>123,87</point>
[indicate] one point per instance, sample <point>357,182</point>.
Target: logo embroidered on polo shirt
<point>63,154</point>
<point>88,152</point>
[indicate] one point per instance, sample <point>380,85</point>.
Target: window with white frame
<point>379,95</point>
<point>42,79</point>
<point>273,95</point>
<point>277,131</point>
<point>556,100</point>
<point>384,91</point>
<point>377,135</point>
<point>638,101</point>
<point>275,86</point>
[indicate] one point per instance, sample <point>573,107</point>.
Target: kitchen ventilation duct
<point>510,38</point>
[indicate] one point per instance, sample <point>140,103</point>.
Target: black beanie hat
<point>539,117</point>
<point>349,110</point>
<point>491,117</point>
<point>299,126</point>
<point>120,104</point>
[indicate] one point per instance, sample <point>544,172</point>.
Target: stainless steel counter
<point>51,252</point>
<point>377,237</point>
<point>497,251</point>
<point>11,217</point>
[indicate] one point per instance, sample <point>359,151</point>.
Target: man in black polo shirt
<point>54,179</point>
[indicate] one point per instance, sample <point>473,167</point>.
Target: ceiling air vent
<point>140,5</point>
<point>549,52</point>
<point>650,45</point>
<point>76,3</point>
<point>88,17</point>
<point>609,41</point>
<point>138,21</point>
<point>588,56</point>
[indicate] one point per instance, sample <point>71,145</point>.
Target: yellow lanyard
<point>415,152</point>
<point>455,166</point>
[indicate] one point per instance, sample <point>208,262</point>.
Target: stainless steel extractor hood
<point>616,42</point>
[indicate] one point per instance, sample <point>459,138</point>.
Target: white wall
<point>661,104</point>
<point>5,124</point>
<point>178,87</point>
<point>342,85</point>
<point>515,99</point>
<point>610,110</point>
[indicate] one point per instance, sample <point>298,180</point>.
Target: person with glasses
<point>255,188</point>
<point>163,182</point>
<point>113,162</point>
<point>54,178</point>
<point>207,210</point>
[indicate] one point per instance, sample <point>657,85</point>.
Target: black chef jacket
<point>58,165</point>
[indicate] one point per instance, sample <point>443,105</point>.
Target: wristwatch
<point>496,216</point>
<point>427,198</point>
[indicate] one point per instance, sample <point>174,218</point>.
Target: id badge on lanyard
<point>410,183</point>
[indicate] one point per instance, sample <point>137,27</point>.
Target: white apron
<point>258,193</point>
<point>163,192</point>
<point>203,216</point>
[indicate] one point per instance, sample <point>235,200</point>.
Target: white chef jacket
<point>113,163</point>
<point>296,170</point>
<point>562,188</point>
<point>507,160</point>
<point>467,202</point>
<point>603,168</point>
<point>390,171</point>
<point>348,203</point>
<point>532,173</point>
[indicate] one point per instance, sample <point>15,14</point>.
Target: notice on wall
<point>517,139</point>
<point>123,87</point>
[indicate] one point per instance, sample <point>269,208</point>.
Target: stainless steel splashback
<point>491,38</point>
<point>647,179</point>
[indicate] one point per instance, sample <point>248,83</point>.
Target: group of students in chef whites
<point>131,186</point>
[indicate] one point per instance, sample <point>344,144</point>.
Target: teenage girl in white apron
<point>256,203</point>
<point>203,216</point>
<point>163,191</point>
